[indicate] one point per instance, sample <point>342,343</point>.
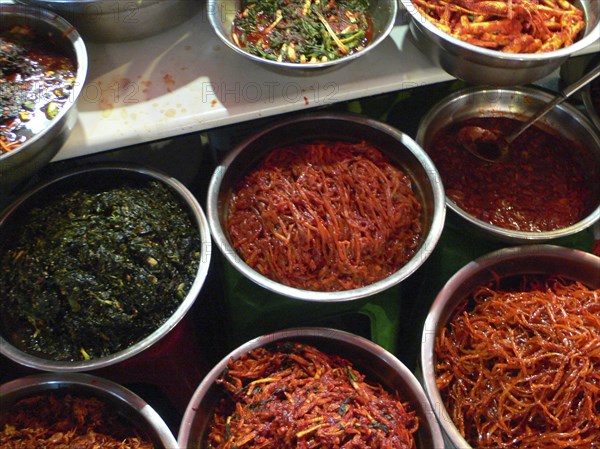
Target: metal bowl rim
<point>81,60</point>
<point>317,332</point>
<point>30,360</point>
<point>420,21</point>
<point>586,95</point>
<point>432,321</point>
<point>509,234</point>
<point>40,382</point>
<point>212,6</point>
<point>425,249</point>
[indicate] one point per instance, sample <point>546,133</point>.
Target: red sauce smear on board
<point>541,187</point>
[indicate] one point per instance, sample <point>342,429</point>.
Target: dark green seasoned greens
<point>90,272</point>
<point>302,31</point>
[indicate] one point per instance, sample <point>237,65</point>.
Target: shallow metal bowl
<point>377,364</point>
<point>126,403</point>
<point>21,163</point>
<point>222,12</point>
<point>121,20</point>
<point>397,146</point>
<point>108,175</point>
<point>534,259</point>
<point>483,66</point>
<point>519,103</point>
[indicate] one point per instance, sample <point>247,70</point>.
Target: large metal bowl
<point>21,163</point>
<point>121,20</point>
<point>534,259</point>
<point>483,66</point>
<point>222,12</point>
<point>109,175</point>
<point>377,364</point>
<point>397,146</point>
<point>518,103</point>
<point>126,403</point>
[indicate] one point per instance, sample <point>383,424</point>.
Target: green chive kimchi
<point>302,31</point>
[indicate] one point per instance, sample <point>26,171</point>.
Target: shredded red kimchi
<point>325,216</point>
<point>296,397</point>
<point>53,421</point>
<point>521,369</point>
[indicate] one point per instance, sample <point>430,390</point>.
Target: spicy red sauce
<point>541,187</point>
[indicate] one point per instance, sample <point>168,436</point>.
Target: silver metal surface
<point>534,259</point>
<point>586,94</point>
<point>519,103</point>
<point>124,402</point>
<point>120,20</point>
<point>91,176</point>
<point>222,12</point>
<point>488,67</point>
<point>370,359</point>
<point>20,164</point>
<point>399,147</point>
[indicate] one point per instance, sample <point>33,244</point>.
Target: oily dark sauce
<point>36,80</point>
<point>86,272</point>
<point>542,186</point>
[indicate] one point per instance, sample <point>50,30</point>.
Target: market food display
<point>513,27</point>
<point>88,272</point>
<point>36,81</point>
<point>301,31</point>
<point>60,420</point>
<point>526,192</point>
<point>517,364</point>
<point>293,395</point>
<point>325,216</point>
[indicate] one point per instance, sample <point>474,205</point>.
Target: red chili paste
<point>541,187</point>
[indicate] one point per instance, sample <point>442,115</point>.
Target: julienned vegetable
<point>90,272</point>
<point>58,421</point>
<point>518,365</point>
<point>293,396</point>
<point>302,31</point>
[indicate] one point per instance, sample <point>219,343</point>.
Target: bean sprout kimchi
<point>520,368</point>
<point>325,216</point>
<point>294,396</point>
<point>59,421</point>
<point>36,81</point>
<point>511,26</point>
<point>543,185</point>
<point>302,31</point>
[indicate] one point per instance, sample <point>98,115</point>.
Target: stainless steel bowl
<point>20,164</point>
<point>121,20</point>
<point>222,12</point>
<point>586,94</point>
<point>399,147</point>
<point>98,175</point>
<point>518,103</point>
<point>367,357</point>
<point>534,259</point>
<point>483,66</point>
<point>125,403</point>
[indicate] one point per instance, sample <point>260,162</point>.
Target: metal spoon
<point>491,146</point>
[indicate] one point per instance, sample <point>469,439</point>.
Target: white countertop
<point>186,80</point>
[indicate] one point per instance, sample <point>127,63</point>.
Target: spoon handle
<point>564,94</point>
